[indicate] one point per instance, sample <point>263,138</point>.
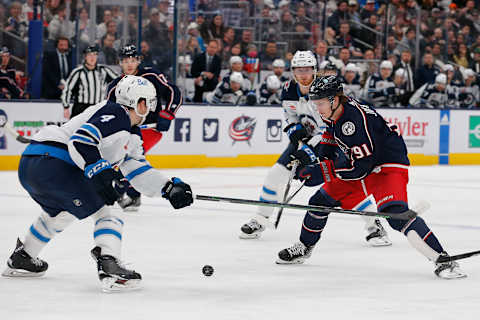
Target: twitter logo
<point>210,130</point>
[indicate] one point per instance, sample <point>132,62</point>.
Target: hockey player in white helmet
<point>70,172</point>
<point>229,91</point>
<point>379,87</point>
<point>431,95</point>
<point>351,83</point>
<point>270,91</point>
<point>279,69</point>
<point>304,126</point>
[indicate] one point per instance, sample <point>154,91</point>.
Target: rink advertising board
<point>225,136</point>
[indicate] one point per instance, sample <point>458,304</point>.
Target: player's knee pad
<point>108,231</point>
<point>368,204</point>
<point>396,224</point>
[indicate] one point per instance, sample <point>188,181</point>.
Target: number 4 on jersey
<point>106,118</point>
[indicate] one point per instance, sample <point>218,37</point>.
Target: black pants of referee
<point>79,108</point>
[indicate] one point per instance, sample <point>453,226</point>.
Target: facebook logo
<point>182,130</point>
<point>274,130</point>
<point>210,130</point>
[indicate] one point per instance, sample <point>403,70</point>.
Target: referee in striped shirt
<point>86,84</point>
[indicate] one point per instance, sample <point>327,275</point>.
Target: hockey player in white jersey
<point>270,91</point>
<point>70,172</point>
<point>351,83</point>
<point>431,95</point>
<point>303,126</point>
<point>379,87</point>
<point>229,90</point>
<point>469,94</point>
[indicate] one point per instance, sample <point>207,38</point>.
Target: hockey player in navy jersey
<point>431,95</point>
<point>303,126</point>
<point>230,90</point>
<point>351,83</point>
<point>270,91</point>
<point>70,172</point>
<point>379,87</point>
<point>377,168</point>
<point>169,101</point>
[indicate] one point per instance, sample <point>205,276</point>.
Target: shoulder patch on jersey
<point>348,128</point>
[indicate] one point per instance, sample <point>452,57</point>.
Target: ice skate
<point>449,270</point>
<point>129,204</point>
<point>377,236</point>
<point>251,230</point>
<point>113,276</point>
<point>21,264</point>
<point>295,254</point>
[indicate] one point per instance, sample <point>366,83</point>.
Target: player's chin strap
<point>332,100</point>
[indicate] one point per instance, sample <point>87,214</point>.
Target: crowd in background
<point>373,44</point>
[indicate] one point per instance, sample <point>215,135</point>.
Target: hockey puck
<point>207,270</point>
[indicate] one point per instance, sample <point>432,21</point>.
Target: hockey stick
<point>296,192</point>
<point>465,255</point>
<point>293,170</point>
<point>407,215</point>
<point>14,133</point>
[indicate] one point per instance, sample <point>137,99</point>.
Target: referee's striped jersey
<point>87,86</point>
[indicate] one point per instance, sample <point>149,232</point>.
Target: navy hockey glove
<point>296,132</point>
<point>305,155</point>
<point>178,193</point>
<point>164,120</point>
<point>102,176</point>
<point>312,175</point>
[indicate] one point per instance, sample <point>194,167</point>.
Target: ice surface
<point>344,279</point>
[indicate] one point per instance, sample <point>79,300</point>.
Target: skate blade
<point>19,273</point>
<point>379,242</point>
<point>111,285</point>
<point>130,209</point>
<point>452,275</point>
<point>295,261</point>
<point>246,236</point>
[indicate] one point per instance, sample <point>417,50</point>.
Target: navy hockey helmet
<point>91,49</point>
<point>325,87</point>
<point>128,51</point>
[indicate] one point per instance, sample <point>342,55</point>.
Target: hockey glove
<point>164,120</point>
<point>178,193</point>
<point>312,175</point>
<point>327,170</point>
<point>305,155</point>
<point>102,176</point>
<point>296,132</point>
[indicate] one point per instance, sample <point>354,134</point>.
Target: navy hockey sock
<point>312,227</point>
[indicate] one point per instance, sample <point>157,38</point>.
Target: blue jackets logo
<point>3,134</point>
<point>210,130</point>
<point>242,128</point>
<point>274,130</point>
<point>182,130</point>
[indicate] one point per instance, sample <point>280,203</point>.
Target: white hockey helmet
<point>441,78</point>
<point>130,89</point>
<point>351,67</point>
<point>304,59</point>
<point>236,77</point>
<point>448,67</point>
<point>386,64</point>
<point>235,59</point>
<point>401,73</point>
<point>273,83</point>
<point>469,73</point>
<point>278,63</point>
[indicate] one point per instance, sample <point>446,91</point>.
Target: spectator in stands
<point>269,22</point>
<point>246,40</point>
<point>229,91</point>
<point>192,48</point>
<point>102,27</point>
<point>132,28</point>
<point>391,46</point>
<point>370,37</point>
<point>367,10</point>
<point>206,70</point>
<point>228,39</point>
<point>112,30</point>
<point>15,23</point>
<point>148,60</point>
<point>300,39</point>
<point>155,32</point>
<point>269,55</point>
<point>60,26</point>
<point>354,14</point>
<point>475,65</point>
<point>108,54</point>
<point>344,57</point>
<point>341,14</point>
<point>214,30</point>
<point>163,11</point>
<point>279,69</point>
<point>437,55</point>
<point>303,19</point>
<point>469,94</point>
<point>427,72</point>
<point>345,39</point>
<point>193,32</point>
<point>379,88</point>
<point>405,63</point>
<point>8,83</point>
<point>366,69</point>
<point>462,58</point>
<point>408,41</point>
<point>58,65</point>
<point>286,21</point>
<point>351,82</point>
<point>270,91</point>
<point>83,32</point>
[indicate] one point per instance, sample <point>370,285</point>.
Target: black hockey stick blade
<point>461,256</point>
<point>407,215</point>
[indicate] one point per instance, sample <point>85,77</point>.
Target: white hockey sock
<point>418,243</point>
<point>273,188</point>
<point>108,232</point>
<point>44,229</point>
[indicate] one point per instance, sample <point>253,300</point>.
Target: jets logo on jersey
<point>106,118</point>
<point>348,128</point>
<point>242,128</point>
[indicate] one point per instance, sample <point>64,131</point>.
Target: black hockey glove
<point>178,193</point>
<point>305,155</point>
<point>296,132</point>
<point>164,120</point>
<point>102,176</point>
